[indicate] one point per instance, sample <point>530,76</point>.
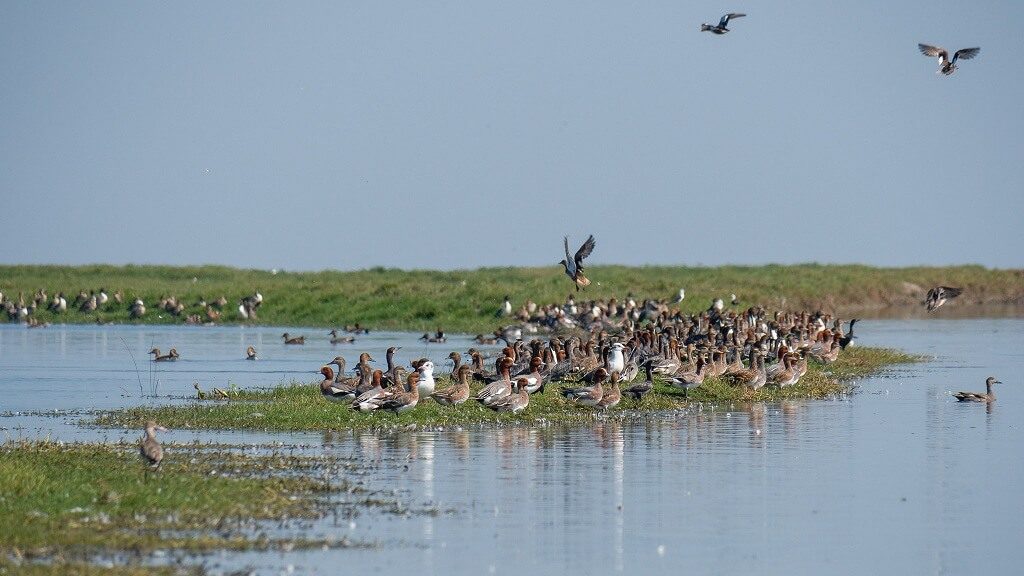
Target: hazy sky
<point>456,134</point>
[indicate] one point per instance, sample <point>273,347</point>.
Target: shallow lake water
<point>896,477</point>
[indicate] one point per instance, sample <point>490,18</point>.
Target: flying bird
<point>947,66</point>
<point>937,296</point>
<point>574,264</point>
<point>721,28</point>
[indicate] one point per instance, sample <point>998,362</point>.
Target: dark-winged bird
<point>937,296</point>
<point>947,66</point>
<point>574,264</point>
<point>721,28</point>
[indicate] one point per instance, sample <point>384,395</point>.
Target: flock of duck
<point>22,309</point>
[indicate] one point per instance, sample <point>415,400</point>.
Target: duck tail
<point>704,27</point>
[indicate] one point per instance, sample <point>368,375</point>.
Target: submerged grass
<point>296,407</point>
<point>466,300</point>
<point>66,503</point>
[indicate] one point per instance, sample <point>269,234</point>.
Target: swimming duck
<point>574,264</point>
<point>250,353</point>
<point>513,403</point>
<point>438,337</point>
<point>456,393</point>
<point>721,27</point>
<point>947,66</point>
<point>335,339</point>
<point>295,340</point>
<point>171,355</point>
<point>937,296</point>
<point>149,449</point>
<point>988,396</point>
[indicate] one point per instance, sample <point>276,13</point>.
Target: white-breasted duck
<point>946,65</point>
<point>573,264</point>
<point>722,26</point>
<point>515,402</point>
<point>499,388</point>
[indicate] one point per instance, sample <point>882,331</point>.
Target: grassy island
<point>299,406</point>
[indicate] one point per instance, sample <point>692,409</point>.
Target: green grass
<point>69,502</point>
<point>465,300</point>
<point>71,568</point>
<point>296,407</point>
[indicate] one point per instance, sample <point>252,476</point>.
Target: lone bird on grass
<point>721,28</point>
<point>149,449</point>
<point>574,264</point>
<point>988,396</point>
<point>937,296</point>
<point>947,66</point>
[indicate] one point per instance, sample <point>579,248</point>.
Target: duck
<point>250,353</point>
<point>356,329</point>
<point>938,296</point>
<point>534,379</point>
<point>400,402</point>
<point>335,339</point>
<point>513,403</point>
<point>439,337</point>
<point>488,340</point>
<point>690,378</point>
<point>149,449</point>
<point>590,395</point>
<point>333,391</point>
<point>293,340</point>
<point>611,398</point>
<point>787,375</point>
<point>426,379</point>
<point>499,388</point>
<point>721,27</point>
<point>847,339</point>
<point>988,396</point>
<point>637,391</point>
<point>505,309</point>
<point>457,393</point>
<point>574,264</point>
<point>370,399</point>
<point>171,355</point>
<point>947,66</point>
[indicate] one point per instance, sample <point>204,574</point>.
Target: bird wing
<point>725,19</point>
<point>570,264</point>
<point>584,251</point>
<point>949,292</point>
<point>934,51</point>
<point>966,53</point>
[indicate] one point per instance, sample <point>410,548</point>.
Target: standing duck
<point>947,66</point>
<point>457,393</point>
<point>611,398</point>
<point>574,264</point>
<point>988,396</point>
<point>404,401</point>
<point>589,396</point>
<point>721,27</point>
<point>847,339</point>
<point>637,391</point>
<point>937,296</point>
<point>333,391</point>
<point>513,403</point>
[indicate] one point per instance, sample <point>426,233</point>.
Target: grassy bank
<point>67,503</point>
<point>466,300</point>
<point>298,407</point>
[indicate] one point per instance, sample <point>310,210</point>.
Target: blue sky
<point>463,134</point>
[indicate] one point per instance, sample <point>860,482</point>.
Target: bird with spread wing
<point>574,264</point>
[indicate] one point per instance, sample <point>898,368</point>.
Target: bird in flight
<point>937,296</point>
<point>574,264</point>
<point>947,66</point>
<point>721,28</point>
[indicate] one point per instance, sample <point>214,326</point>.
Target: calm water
<point>898,477</point>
